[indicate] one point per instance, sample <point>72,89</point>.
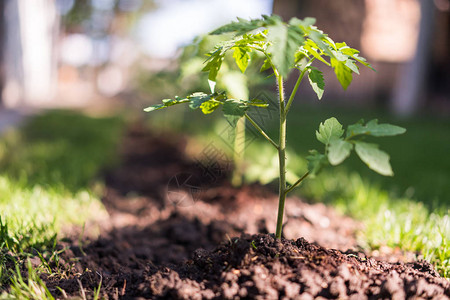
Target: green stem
<point>297,183</point>
<point>281,157</point>
<point>239,147</point>
<point>297,84</point>
<point>260,130</point>
<point>294,91</point>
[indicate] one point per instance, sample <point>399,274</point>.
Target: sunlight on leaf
<point>316,80</point>
<point>374,158</point>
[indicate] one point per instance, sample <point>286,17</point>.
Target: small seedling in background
<point>253,245</point>
<point>291,46</point>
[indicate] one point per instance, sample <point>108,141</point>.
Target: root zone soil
<point>170,236</point>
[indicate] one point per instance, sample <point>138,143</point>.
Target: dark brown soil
<point>172,235</point>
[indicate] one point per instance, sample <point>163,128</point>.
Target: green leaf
<point>316,161</point>
<point>362,61</point>
<point>251,38</point>
<point>300,58</point>
<point>328,130</point>
<point>166,103</point>
<point>374,158</point>
<point>243,26</point>
<point>309,21</point>
<point>329,41</point>
<point>214,63</point>
<point>209,106</point>
<point>197,99</point>
<point>266,65</point>
<point>258,103</point>
<point>322,41</point>
<point>285,41</point>
<point>339,56</point>
<point>353,53</point>
<point>343,73</point>
<point>233,110</point>
<point>316,81</point>
<point>234,107</point>
<point>306,24</point>
<point>348,51</point>
<point>350,63</point>
<point>241,57</point>
<point>309,46</point>
<point>154,107</point>
<point>341,45</point>
<point>348,56</point>
<point>373,128</point>
<point>338,151</point>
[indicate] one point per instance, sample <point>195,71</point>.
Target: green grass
<point>31,287</point>
<point>49,180</point>
<point>60,149</point>
<point>396,222</point>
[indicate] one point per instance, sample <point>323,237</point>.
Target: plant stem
<point>281,157</point>
<point>239,148</point>
<point>294,90</point>
<point>260,130</point>
<point>289,189</point>
<point>297,84</point>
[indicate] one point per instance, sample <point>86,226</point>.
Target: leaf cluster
<point>286,46</point>
<point>339,143</point>
<point>232,109</point>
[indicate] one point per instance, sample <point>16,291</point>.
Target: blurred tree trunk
<point>38,29</point>
<point>286,8</point>
<point>29,65</point>
<point>411,89</point>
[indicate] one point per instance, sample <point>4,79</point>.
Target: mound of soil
<point>260,266</point>
<point>172,235</point>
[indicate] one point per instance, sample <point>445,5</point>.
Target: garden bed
<point>175,233</point>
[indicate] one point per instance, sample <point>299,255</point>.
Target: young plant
<point>291,46</point>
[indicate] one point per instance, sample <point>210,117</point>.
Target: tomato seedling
<point>294,45</point>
